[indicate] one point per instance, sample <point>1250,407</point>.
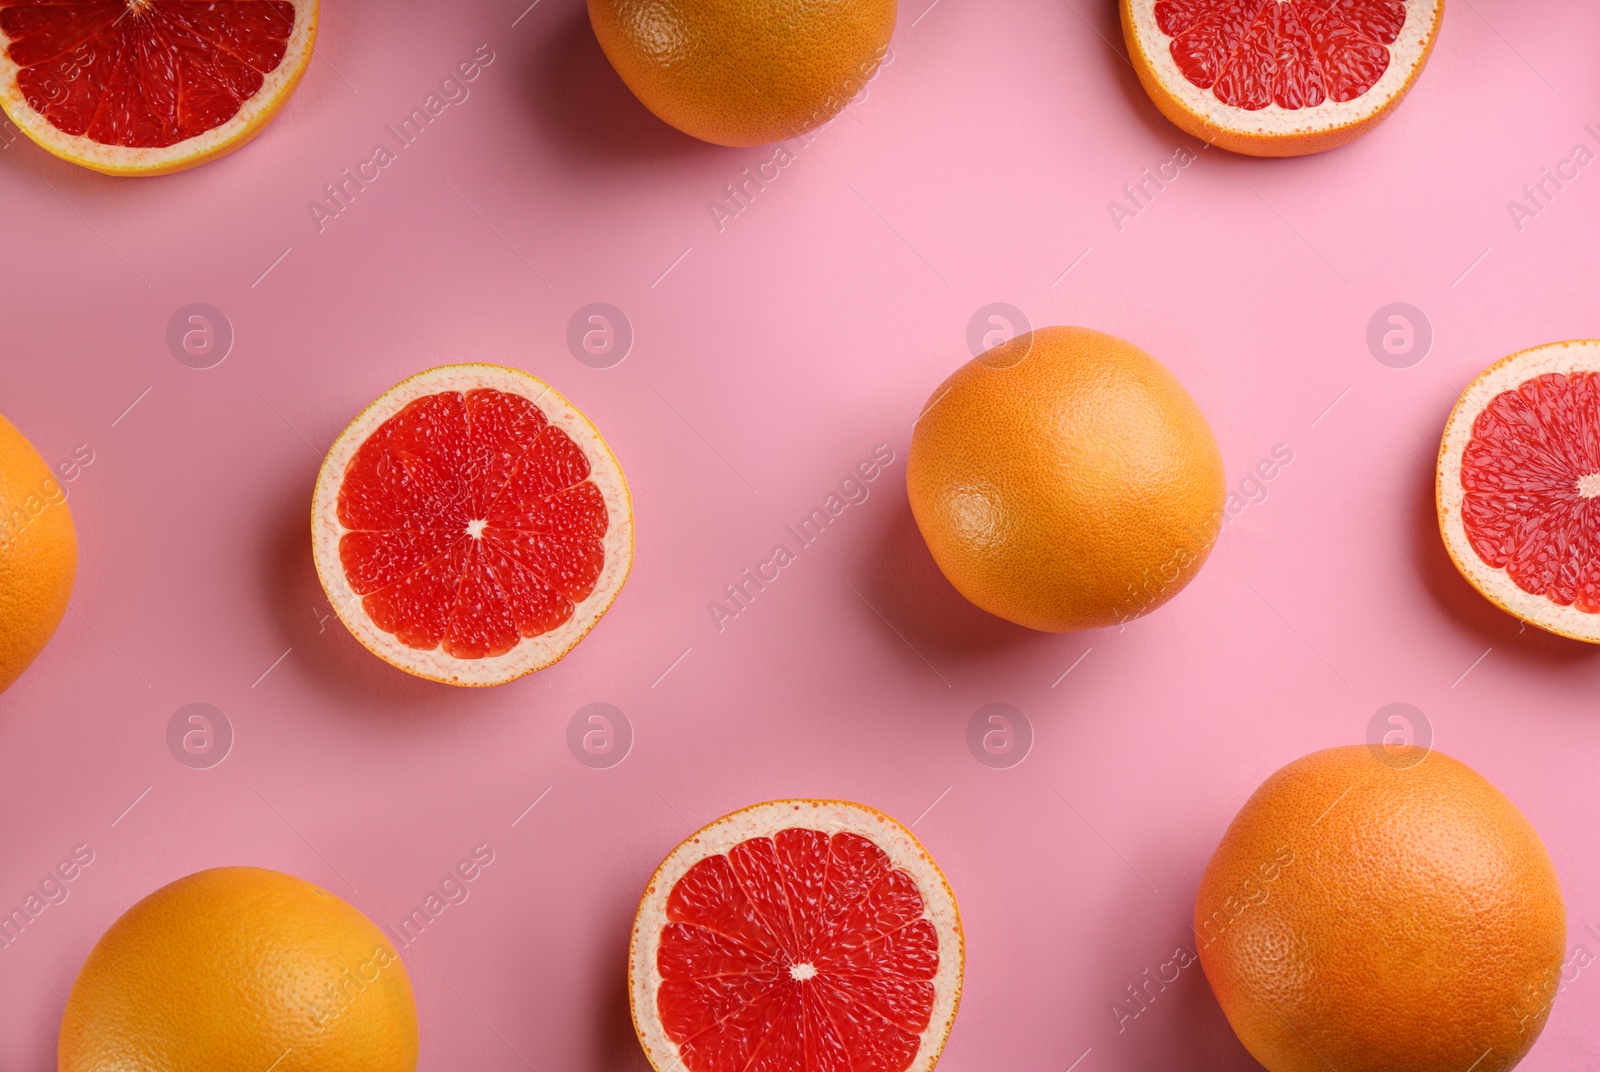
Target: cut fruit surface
<point>797,935</point>
<point>1518,487</point>
<point>144,87</point>
<point>471,525</point>
<point>1279,77</point>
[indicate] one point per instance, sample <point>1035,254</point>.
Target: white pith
<point>1507,375</point>
<point>763,820</point>
<point>530,653</point>
<point>1408,51</point>
<point>129,160</point>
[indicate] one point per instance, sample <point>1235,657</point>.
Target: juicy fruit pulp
<point>474,523</point>
<point>1292,53</point>
<point>144,73</point>
<point>1531,473</point>
<point>802,950</point>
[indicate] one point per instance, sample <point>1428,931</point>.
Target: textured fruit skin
<point>1371,915</point>
<point>38,553</point>
<point>1066,480</point>
<point>744,72</point>
<point>236,969</point>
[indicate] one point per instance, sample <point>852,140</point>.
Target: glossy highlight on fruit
<point>1066,480</point>
<point>798,934</point>
<point>471,526</point>
<point>240,969</point>
<point>38,553</point>
<point>744,72</point>
<point>147,87</point>
<point>1518,487</point>
<point>1374,908</point>
<point>1279,77</point>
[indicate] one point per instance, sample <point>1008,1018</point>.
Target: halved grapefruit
<point>797,936</point>
<point>1518,487</point>
<point>471,526</point>
<point>147,87</point>
<point>1279,77</point>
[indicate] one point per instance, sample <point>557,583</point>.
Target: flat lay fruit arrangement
<point>729,639</point>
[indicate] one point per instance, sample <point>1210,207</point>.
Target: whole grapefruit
<point>744,72</point>
<point>38,553</point>
<point>240,969</point>
<point>1373,909</point>
<point>1066,480</point>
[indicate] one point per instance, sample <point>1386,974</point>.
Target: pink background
<point>767,362</point>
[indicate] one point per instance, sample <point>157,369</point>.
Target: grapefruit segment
<point>1518,487</point>
<point>1279,77</point>
<point>797,935</point>
<point>471,526</point>
<point>149,86</point>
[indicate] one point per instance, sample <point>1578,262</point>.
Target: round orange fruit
<point>1518,487</point>
<point>38,553</point>
<point>240,969</point>
<point>1372,909</point>
<point>1279,77</point>
<point>147,87</point>
<point>1066,480</point>
<point>797,934</point>
<point>744,72</point>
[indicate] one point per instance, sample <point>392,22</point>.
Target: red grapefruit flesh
<point>1294,54</point>
<point>471,526</point>
<point>149,86</point>
<point>797,936</point>
<point>1279,77</point>
<point>1519,487</point>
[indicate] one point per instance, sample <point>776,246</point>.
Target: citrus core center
<point>1589,486</point>
<point>138,7</point>
<point>801,972</point>
<point>475,529</point>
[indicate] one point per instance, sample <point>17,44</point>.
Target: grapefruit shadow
<point>616,1041</point>
<point>1170,1016</point>
<point>904,584</point>
<point>582,103</point>
<point>1464,604</point>
<point>1107,21</point>
<point>323,647</point>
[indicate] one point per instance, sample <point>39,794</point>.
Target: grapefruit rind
<point>1275,131</point>
<point>530,653</point>
<point>277,86</point>
<point>1496,585</point>
<point>764,820</point>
